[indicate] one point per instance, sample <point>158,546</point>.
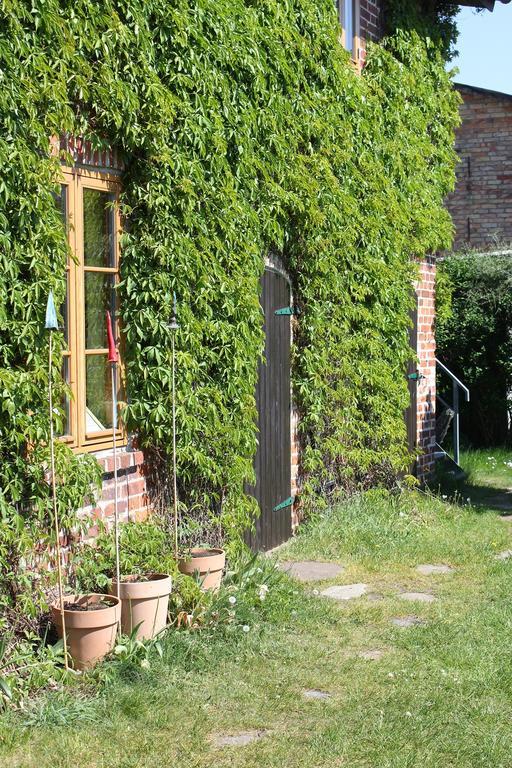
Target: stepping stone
<point>238,739</point>
<point>313,693</point>
<point>347,592</point>
<point>374,597</point>
<point>420,597</point>
<point>311,570</point>
<point>431,570</point>
<point>373,655</point>
<point>505,518</point>
<point>404,622</point>
<point>504,555</point>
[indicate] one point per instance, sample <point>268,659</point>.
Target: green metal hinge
<point>416,376</point>
<point>286,503</point>
<point>287,311</point>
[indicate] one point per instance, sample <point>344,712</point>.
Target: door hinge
<point>287,311</point>
<point>286,503</point>
<point>416,376</point>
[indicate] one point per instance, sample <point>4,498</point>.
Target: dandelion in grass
<point>232,599</point>
<point>263,591</point>
<point>145,664</point>
<point>246,628</point>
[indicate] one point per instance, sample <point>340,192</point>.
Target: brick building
<point>360,22</point>
<point>481,206</point>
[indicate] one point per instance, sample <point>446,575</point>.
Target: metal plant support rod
<point>173,327</point>
<point>51,325</point>
<point>112,359</point>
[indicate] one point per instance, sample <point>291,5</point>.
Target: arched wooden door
<point>273,458</point>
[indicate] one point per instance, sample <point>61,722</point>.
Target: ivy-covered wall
<point>244,128</point>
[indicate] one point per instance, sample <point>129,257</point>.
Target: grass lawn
<point>440,695</point>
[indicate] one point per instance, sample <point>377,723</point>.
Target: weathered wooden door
<point>273,458</point>
<point>411,414</point>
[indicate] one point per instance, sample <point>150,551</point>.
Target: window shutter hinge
<point>283,504</point>
<point>287,311</point>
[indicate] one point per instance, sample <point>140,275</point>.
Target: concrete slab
<point>505,555</point>
<point>346,592</point>
<point>427,569</point>
<point>418,597</point>
<point>311,570</point>
<point>238,739</point>
<point>404,622</point>
<point>313,693</point>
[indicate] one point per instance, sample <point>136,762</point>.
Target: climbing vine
<point>244,129</point>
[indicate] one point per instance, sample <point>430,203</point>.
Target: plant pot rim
<point>149,589</point>
<point>87,619</point>
<point>202,552</point>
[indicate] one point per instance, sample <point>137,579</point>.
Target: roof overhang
<point>489,4</point>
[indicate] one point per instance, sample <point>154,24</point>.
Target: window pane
<point>348,25</point>
<point>98,229</point>
<point>99,297</point>
<point>98,412</point>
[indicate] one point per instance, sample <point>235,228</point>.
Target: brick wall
<point>370,25</point>
<point>481,206</point>
<point>426,350</point>
<point>133,496</point>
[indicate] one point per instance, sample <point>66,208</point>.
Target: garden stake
<point>112,359</point>
<point>51,325</point>
<point>173,326</point>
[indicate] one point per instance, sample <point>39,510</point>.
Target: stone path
<point>504,555</point>
<point>431,570</point>
<point>313,693</point>
<point>238,739</point>
<point>404,622</point>
<point>417,597</point>
<point>346,592</point>
<point>311,570</point>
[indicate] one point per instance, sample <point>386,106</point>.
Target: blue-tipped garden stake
<point>52,325</point>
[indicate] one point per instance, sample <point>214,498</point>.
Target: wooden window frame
<point>75,180</point>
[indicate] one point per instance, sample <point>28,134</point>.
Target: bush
<point>475,341</point>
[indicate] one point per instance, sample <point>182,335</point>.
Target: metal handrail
<point>454,378</point>
<point>456,385</point>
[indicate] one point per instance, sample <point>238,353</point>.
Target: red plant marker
<point>112,351</point>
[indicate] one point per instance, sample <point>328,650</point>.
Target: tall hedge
<point>245,129</point>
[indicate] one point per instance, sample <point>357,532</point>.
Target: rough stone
<point>372,655</point>
<point>346,592</point>
<point>374,597</point>
<point>405,622</point>
<point>311,570</point>
<point>420,597</point>
<point>504,555</point>
<point>505,518</point>
<point>431,570</point>
<point>238,739</point>
<point>313,693</point>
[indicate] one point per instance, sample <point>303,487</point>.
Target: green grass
<point>440,696</point>
<point>488,481</point>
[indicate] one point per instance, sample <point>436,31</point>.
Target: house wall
<point>370,25</point>
<point>426,351</point>
<point>481,205</point>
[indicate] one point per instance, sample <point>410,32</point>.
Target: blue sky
<point>485,48</point>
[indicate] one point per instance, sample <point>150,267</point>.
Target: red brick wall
<point>481,206</point>
<point>426,350</point>
<point>370,25</point>
<point>133,498</point>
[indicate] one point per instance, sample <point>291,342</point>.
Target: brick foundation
<point>426,350</point>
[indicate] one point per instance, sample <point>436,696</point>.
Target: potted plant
<point>198,558</point>
<point>145,566</point>
<point>91,624</point>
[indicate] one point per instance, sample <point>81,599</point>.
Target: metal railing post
<point>456,422</point>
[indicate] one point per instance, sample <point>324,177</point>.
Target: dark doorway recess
<point>272,463</point>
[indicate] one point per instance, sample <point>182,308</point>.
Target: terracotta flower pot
<point>144,602</point>
<point>90,629</point>
<point>208,564</point>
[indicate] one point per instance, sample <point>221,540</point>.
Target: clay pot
<point>207,564</point>
<point>90,633</point>
<point>144,603</point>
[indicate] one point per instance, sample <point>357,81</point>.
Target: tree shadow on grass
<point>482,497</point>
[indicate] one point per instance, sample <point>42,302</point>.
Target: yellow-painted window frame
<point>75,180</point>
